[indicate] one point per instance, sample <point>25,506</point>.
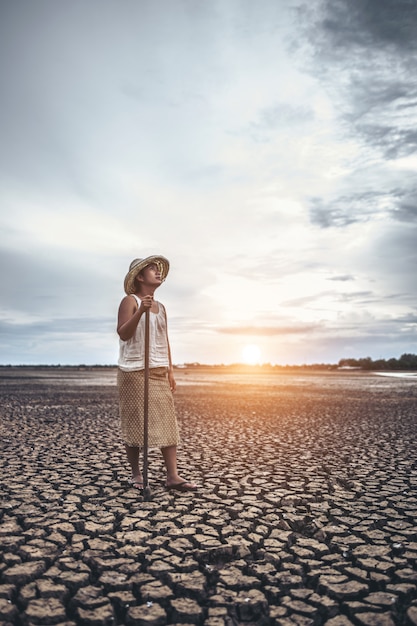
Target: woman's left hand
<point>171,379</point>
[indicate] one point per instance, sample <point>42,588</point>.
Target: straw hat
<point>139,264</point>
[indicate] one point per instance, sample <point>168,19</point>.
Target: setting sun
<point>251,354</point>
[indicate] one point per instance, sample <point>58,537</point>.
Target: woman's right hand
<point>146,304</point>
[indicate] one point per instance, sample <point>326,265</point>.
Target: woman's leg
<point>170,458</point>
<point>173,479</point>
<point>133,458</point>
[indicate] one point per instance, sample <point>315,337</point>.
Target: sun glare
<point>251,354</point>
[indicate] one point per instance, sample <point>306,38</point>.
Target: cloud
<point>366,52</point>
<point>267,331</point>
<point>45,341</point>
<point>340,212</point>
<point>265,148</point>
<point>406,211</point>
<point>343,278</point>
<point>372,23</point>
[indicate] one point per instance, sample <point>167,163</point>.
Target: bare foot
<point>181,485</point>
<point>136,482</point>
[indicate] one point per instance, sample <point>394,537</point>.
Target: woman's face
<point>151,274</point>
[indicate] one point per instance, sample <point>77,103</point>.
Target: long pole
<point>146,488</point>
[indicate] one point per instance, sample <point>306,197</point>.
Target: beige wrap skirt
<point>162,420</point>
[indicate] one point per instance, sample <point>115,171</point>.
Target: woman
<point>141,281</point>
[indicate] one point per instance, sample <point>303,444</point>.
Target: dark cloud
<point>343,278</point>
<point>365,54</point>
<point>372,23</point>
<point>406,210</point>
<point>394,141</point>
<point>339,212</point>
<point>345,209</point>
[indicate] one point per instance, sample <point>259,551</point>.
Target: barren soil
<point>306,511</point>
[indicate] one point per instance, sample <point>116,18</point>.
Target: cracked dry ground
<point>306,512</point>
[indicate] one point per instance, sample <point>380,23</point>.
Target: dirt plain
<point>306,512</point>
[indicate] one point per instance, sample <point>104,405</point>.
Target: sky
<point>268,149</point>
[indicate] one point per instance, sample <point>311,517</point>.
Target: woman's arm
<point>130,314</point>
<point>171,378</point>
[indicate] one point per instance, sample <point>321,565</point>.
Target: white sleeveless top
<point>132,351</point>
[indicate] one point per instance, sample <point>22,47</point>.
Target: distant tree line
<point>405,362</point>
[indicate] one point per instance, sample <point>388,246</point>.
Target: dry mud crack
<point>306,514</point>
